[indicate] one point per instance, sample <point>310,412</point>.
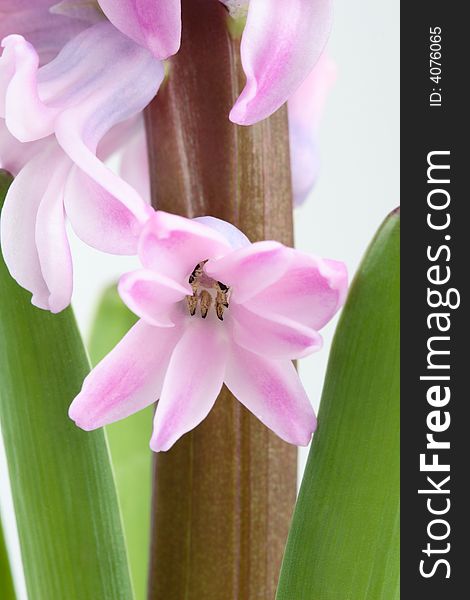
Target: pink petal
<point>118,136</point>
<point>281,43</point>
<point>310,292</point>
<point>83,10</point>
<point>115,98</point>
<point>307,103</point>
<point>103,90</point>
<point>304,160</point>
<point>104,210</point>
<point>81,98</point>
<point>154,24</point>
<point>13,154</point>
<point>126,380</point>
<point>250,269</point>
<point>51,240</point>
<point>305,108</point>
<point>7,6</point>
<point>128,140</point>
<point>98,218</point>
<point>34,242</point>
<point>151,295</point>
<point>26,115</point>
<point>32,19</point>
<point>173,245</point>
<point>272,336</point>
<point>192,383</point>
<point>18,223</point>
<point>272,391</point>
<point>134,164</point>
<point>236,238</point>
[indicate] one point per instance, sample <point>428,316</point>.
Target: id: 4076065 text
<point>435,65</point>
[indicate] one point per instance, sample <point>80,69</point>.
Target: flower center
<point>207,292</point>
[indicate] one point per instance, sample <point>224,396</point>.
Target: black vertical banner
<point>435,162</point>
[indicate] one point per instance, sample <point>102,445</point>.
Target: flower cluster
<point>75,76</point>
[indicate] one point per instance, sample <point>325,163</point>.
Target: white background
<point>358,184</point>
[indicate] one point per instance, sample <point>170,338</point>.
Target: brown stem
<point>223,495</point>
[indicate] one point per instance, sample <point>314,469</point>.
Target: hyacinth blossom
<point>69,99</point>
<point>67,115</point>
<point>280,45</point>
<point>214,309</point>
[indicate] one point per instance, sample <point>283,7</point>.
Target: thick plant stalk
<point>223,496</point>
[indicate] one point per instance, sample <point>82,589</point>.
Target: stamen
<point>221,302</point>
<point>192,304</point>
<point>197,272</point>
<point>206,301</point>
<point>204,297</point>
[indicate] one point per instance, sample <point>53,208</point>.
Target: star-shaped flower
<point>214,309</point>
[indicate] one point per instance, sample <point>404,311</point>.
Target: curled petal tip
<point>246,110</point>
<point>55,310</point>
<point>337,274</point>
<point>315,347</point>
<point>159,445</point>
<point>238,115</point>
<point>38,302</point>
<point>156,25</point>
<point>83,426</point>
<point>280,46</point>
<point>306,438</point>
<point>76,415</point>
<point>302,432</point>
<point>60,299</point>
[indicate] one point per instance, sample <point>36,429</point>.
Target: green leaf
<point>64,496</point>
<point>112,321</point>
<point>129,444</point>
<point>344,539</point>
<point>7,591</point>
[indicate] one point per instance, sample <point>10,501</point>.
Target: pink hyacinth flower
<point>64,113</point>
<point>305,108</point>
<point>214,309</point>
<point>280,45</point>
